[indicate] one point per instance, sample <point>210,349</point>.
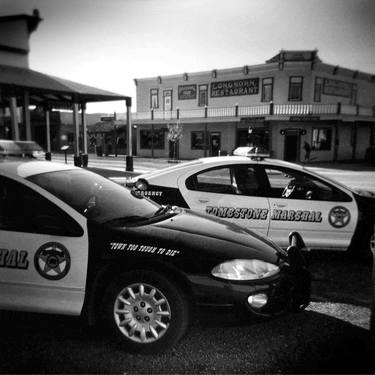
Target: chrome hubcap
<point>142,313</point>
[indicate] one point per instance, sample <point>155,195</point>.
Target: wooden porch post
<point>77,157</point>
<point>129,157</point>
<point>48,133</point>
<point>205,140</point>
<point>26,114</point>
<point>85,156</point>
<point>152,140</point>
<point>13,118</point>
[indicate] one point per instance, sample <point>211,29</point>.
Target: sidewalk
<point>118,163</point>
<point>354,175</point>
<point>142,164</point>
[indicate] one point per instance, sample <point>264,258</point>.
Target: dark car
<point>73,242</point>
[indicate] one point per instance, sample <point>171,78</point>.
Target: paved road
<point>357,176</point>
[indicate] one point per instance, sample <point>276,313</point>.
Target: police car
<point>73,242</point>
<point>271,196</point>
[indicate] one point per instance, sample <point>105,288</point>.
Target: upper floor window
<point>167,95</point>
<point>267,89</point>
<point>354,95</point>
<point>154,98</point>
<point>295,88</point>
<point>203,95</point>
<point>318,89</point>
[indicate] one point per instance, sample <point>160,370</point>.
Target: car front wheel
<point>145,311</point>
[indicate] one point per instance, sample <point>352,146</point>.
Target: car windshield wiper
<point>126,219</point>
<point>163,210</point>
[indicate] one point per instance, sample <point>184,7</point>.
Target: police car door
<point>229,192</point>
<point>322,213</point>
<point>43,251</point>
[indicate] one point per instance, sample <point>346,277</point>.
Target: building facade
<point>291,103</point>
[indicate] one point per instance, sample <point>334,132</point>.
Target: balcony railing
<point>268,109</point>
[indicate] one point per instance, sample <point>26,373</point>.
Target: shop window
<point>354,95</point>
<point>154,98</point>
<point>295,88</point>
<point>267,89</point>
<point>203,95</point>
<point>318,89</point>
<point>197,140</point>
<point>152,139</point>
<point>321,139</point>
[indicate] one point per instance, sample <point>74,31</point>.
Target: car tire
<point>372,243</point>
<point>362,249</point>
<point>145,312</point>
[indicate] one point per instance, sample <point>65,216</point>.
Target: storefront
<point>291,103</point>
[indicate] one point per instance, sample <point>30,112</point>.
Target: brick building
<point>291,99</point>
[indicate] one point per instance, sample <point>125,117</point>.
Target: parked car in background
<point>271,196</point>
<point>29,149</point>
<point>73,242</point>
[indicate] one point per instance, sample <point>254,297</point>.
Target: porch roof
<point>49,90</point>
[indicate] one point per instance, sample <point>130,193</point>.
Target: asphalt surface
<point>331,336</point>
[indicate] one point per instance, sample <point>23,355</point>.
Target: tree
<point>174,135</point>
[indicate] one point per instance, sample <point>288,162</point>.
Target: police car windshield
<point>94,196</point>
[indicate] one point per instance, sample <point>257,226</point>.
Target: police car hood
<point>194,231</point>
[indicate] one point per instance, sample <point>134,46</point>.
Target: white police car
<point>73,242</point>
<point>271,196</point>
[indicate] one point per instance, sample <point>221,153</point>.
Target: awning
<point>49,90</point>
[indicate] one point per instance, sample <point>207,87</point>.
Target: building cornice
<point>273,64</point>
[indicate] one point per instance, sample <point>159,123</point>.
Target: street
<point>353,175</point>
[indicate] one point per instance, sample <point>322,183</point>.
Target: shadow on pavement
<point>306,342</point>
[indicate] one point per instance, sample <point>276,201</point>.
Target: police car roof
<point>215,161</point>
<point>25,168</point>
<point>247,159</point>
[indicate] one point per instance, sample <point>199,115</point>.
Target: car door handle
<point>280,205</point>
<point>203,200</point>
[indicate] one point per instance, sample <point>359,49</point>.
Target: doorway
<point>215,143</point>
<point>291,146</point>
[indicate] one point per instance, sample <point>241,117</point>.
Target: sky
<point>109,43</point>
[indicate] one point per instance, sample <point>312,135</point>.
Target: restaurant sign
<point>248,86</point>
<point>337,88</point>
<point>187,92</point>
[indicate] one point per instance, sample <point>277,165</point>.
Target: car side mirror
<point>295,239</point>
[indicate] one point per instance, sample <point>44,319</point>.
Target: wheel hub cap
<point>142,313</point>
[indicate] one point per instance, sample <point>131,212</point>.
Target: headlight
<point>244,269</point>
